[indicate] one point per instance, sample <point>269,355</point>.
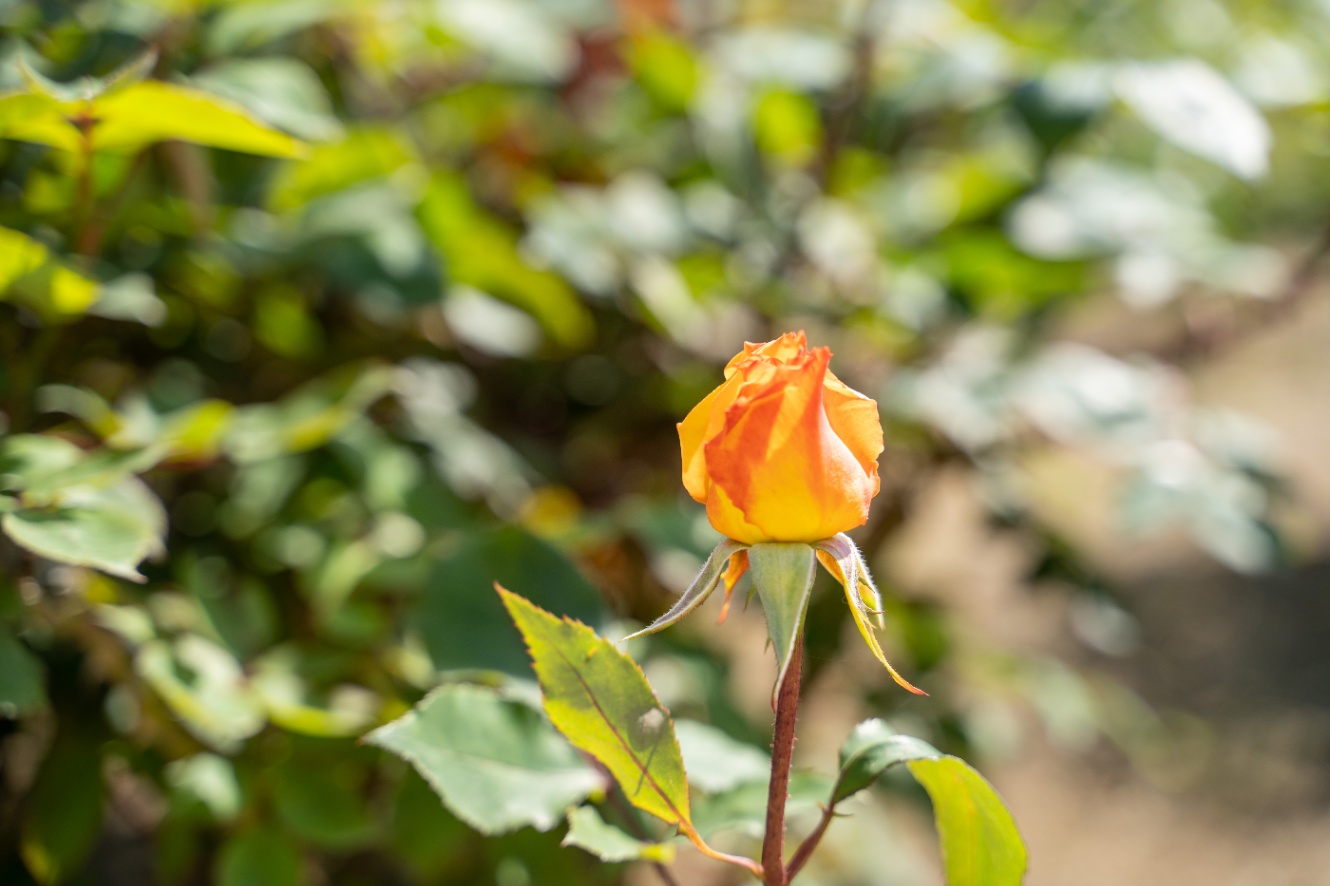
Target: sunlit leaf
<point>137,115</point>
<point>1190,104</point>
<point>598,698</point>
<point>980,843</point>
<point>496,763</point>
<point>30,273</point>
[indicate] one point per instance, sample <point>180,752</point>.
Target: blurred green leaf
<point>31,274</point>
<point>62,814</point>
<point>205,687</point>
<point>714,761</point>
<point>464,624</point>
<point>112,529</point>
<point>1192,105</point>
<point>980,843</point>
<point>743,809</point>
<point>496,763</point>
<point>258,856</point>
<point>137,115</point>
<point>282,91</point>
<point>22,678</point>
<point>324,805</point>
<point>481,252</point>
<point>599,699</point>
<point>587,830</point>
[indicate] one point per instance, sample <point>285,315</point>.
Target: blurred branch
<point>90,237</point>
<point>1207,335</point>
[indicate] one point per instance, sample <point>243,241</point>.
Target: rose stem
<point>782,752</point>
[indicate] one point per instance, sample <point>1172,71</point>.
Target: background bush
<point>275,424</point>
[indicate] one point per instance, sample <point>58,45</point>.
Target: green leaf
<point>324,805</point>
<point>598,697</point>
<point>783,576</point>
<point>204,686</point>
<point>496,763</point>
<point>284,92</point>
<point>715,762</point>
<point>481,251</point>
<point>1189,103</point>
<point>140,114</point>
<point>22,680</point>
<point>980,843</point>
<point>30,273</point>
<point>99,536</point>
<point>258,857</point>
<point>62,814</point>
<point>743,809</point>
<point>463,623</point>
<point>870,750</point>
<point>587,830</point>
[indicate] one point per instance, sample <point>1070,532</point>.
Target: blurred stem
<point>90,237</point>
<point>84,195</point>
<point>782,757</point>
<point>26,373</point>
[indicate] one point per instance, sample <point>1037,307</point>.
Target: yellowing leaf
<point>598,698</point>
<point>980,843</point>
<point>50,288</point>
<point>136,115</point>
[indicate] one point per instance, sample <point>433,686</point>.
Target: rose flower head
<point>784,456</point>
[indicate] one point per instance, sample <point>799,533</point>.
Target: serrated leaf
<point>587,830</point>
<point>871,750</point>
<point>980,843</point>
<point>598,697</point>
<point>22,681</point>
<point>496,763</point>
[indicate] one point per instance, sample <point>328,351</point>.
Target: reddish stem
<point>782,754</point>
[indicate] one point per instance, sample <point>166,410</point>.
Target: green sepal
<point>698,591</point>
<point>783,575</point>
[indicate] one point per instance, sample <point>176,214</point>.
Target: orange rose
<point>782,451</point>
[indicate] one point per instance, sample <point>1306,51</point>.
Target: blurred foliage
<point>319,316</point>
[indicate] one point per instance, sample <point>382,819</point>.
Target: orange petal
<point>738,565</point>
<point>781,465</point>
<point>856,420</point>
